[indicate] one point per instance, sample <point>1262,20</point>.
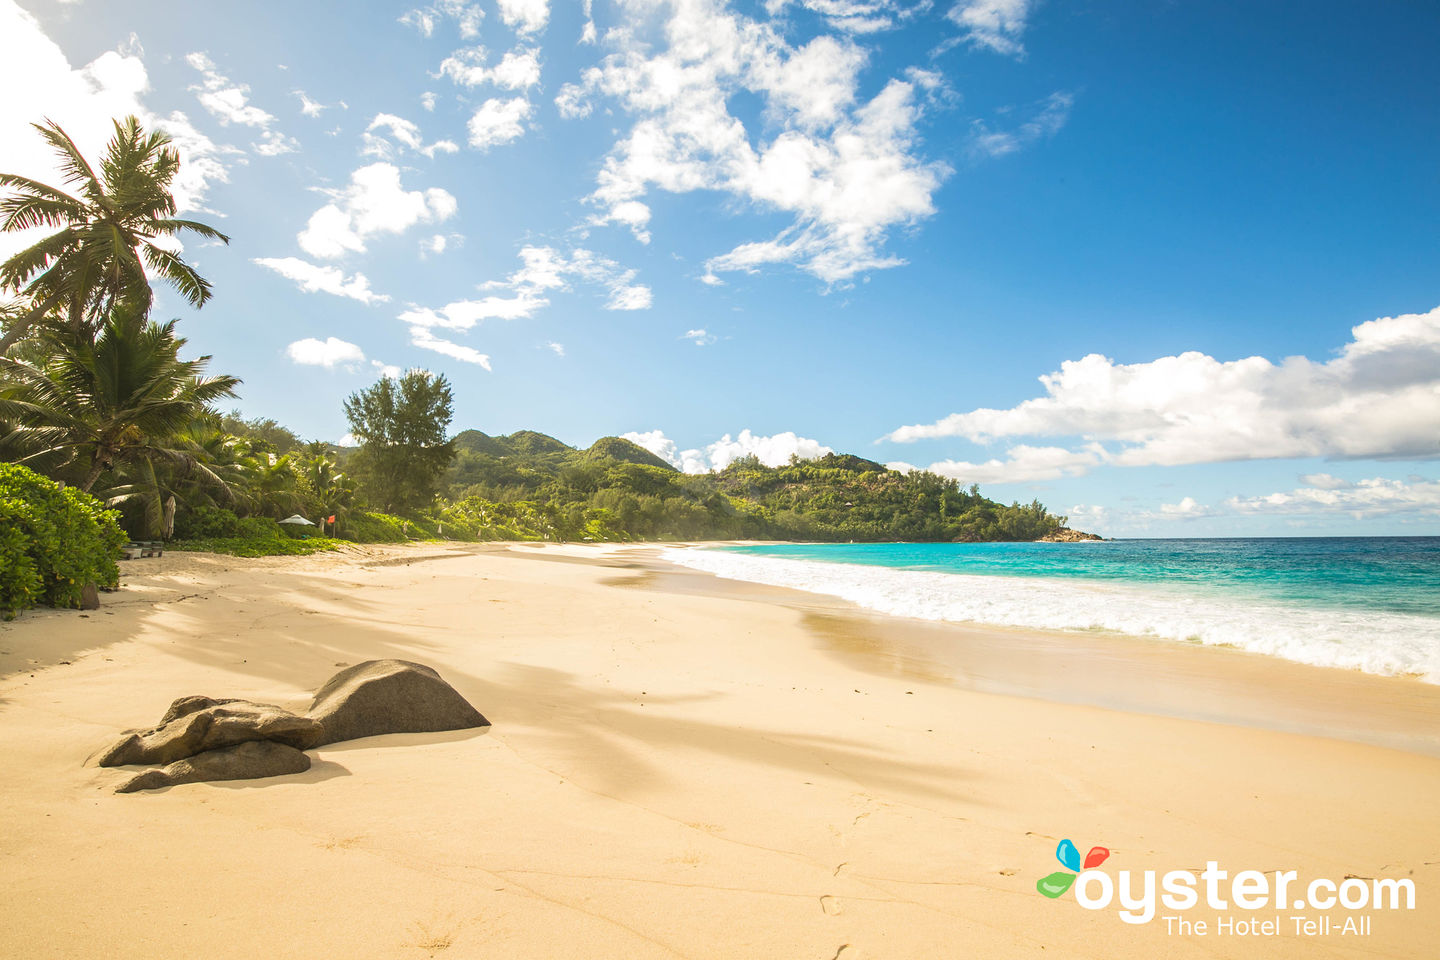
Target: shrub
<point>206,522</point>
<point>53,541</point>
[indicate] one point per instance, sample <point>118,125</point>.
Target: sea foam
<point>1374,642</point>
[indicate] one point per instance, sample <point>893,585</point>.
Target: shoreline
<point>677,768</point>
<point>1146,675</point>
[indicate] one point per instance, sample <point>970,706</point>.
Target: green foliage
<point>53,541</point>
<point>277,546</point>
<point>401,427</point>
<point>109,236</point>
<point>626,451</point>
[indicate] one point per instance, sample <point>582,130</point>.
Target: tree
<point>122,400</point>
<point>114,227</point>
<point>401,426</point>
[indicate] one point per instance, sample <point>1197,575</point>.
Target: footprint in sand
<point>847,952</point>
<point>831,906</point>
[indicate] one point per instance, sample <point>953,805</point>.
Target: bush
<point>53,541</point>
<point>206,522</point>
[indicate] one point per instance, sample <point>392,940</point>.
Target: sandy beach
<point>680,766</point>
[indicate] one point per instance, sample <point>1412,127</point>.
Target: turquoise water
<point>1368,603</point>
<point>1396,574</point>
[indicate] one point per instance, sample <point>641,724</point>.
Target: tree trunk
<point>97,468</point>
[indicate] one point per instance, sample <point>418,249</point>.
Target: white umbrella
<point>298,521</point>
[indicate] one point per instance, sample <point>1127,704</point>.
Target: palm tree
<point>122,400</point>
<point>115,226</point>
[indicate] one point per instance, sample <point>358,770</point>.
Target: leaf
<point>1055,884</point>
<point>1095,857</point>
<point>1068,855</point>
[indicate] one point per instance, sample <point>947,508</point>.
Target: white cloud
<point>699,337</point>
<point>467,17</point>
<point>557,348</point>
<point>857,16</point>
<point>427,100</point>
<point>403,132</point>
<point>1363,499</point>
<point>386,370</point>
<point>498,122</point>
<point>571,102</point>
<point>846,171</point>
<point>1379,398</point>
<point>308,107</point>
<point>312,278</point>
<point>525,16</point>
<point>229,102</point>
<point>422,337</point>
<point>84,101</point>
<point>435,246</point>
<point>374,202</point>
<point>1022,464</point>
<point>542,269</point>
<point>329,353</point>
<point>992,24</point>
<point>519,69</point>
<point>773,451</point>
<point>1049,119</point>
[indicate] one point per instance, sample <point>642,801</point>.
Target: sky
<point>1171,268</point>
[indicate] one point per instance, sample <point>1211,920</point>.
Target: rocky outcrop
<point>243,761</point>
<point>1066,535</point>
<point>390,696</point>
<point>193,725</point>
<point>202,738</point>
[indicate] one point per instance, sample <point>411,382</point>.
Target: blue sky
<point>864,225</point>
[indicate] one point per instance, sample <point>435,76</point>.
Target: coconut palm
<point>121,400</point>
<point>118,222</point>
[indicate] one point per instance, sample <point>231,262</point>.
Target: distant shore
<point>679,766</point>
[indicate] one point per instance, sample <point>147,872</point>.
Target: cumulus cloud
<point>388,134</point>
<point>525,16</point>
<point>700,337</point>
<point>373,203</point>
<point>518,69</point>
<point>1362,499</point>
<point>1378,398</point>
<point>84,101</point>
<point>313,278</point>
<point>229,102</point>
<point>1022,464</point>
<point>498,122</point>
<point>992,24</point>
<point>773,451</point>
<point>329,353</point>
<point>1048,120</point>
<point>846,170</point>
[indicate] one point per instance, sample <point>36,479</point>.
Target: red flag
<point>330,519</point>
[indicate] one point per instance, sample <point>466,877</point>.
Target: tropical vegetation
<point>105,427</point>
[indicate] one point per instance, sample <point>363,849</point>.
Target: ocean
<point>1363,603</point>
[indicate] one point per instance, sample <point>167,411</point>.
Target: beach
<point>682,766</point>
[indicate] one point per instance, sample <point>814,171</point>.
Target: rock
<point>390,696</point>
<point>196,724</point>
<point>1066,535</point>
<point>242,761</point>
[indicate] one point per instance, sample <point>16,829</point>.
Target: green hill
<point>626,451</point>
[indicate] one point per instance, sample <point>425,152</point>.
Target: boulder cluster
<point>200,738</point>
